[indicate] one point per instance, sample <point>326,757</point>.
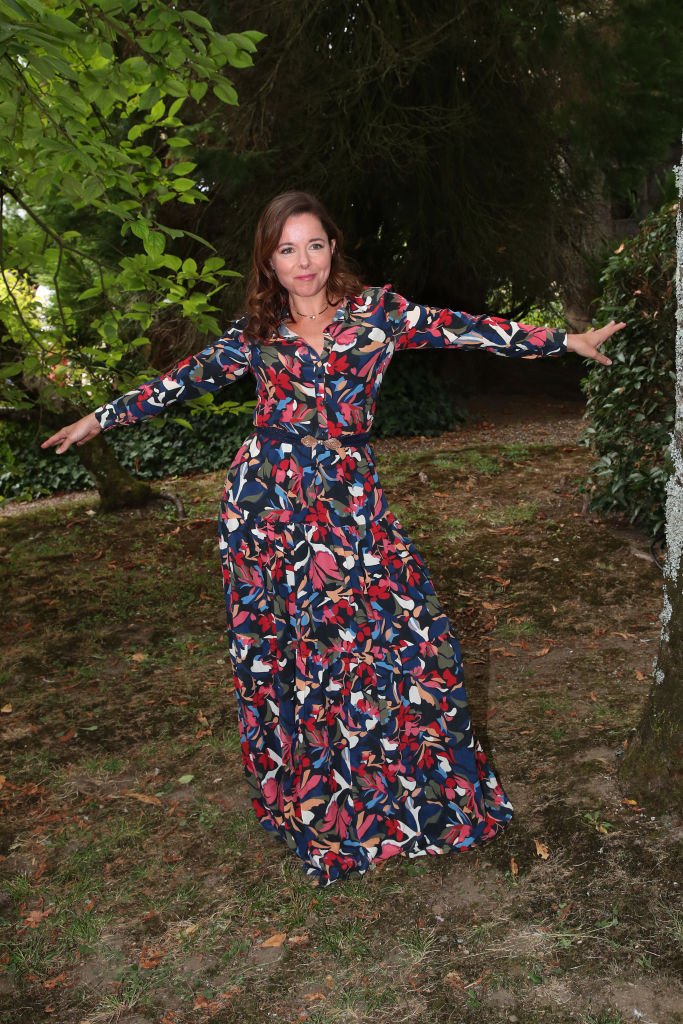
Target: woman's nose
<point>304,259</point>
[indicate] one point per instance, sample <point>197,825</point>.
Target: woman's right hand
<point>75,433</point>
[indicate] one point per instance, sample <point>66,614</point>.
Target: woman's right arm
<point>218,364</point>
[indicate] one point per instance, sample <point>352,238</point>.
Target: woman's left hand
<point>588,343</point>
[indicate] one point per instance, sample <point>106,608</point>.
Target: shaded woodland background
<point>488,157</point>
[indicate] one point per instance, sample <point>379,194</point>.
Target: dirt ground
<point>138,885</point>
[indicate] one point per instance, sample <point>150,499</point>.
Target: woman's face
<point>303,256</point>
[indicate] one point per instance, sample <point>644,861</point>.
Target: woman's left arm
<point>417,326</point>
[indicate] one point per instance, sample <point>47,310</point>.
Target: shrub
<point>631,404</point>
<point>411,402</point>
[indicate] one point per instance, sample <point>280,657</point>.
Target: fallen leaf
<point>36,917</point>
<point>205,729</point>
<point>274,940</point>
<point>6,709</point>
<point>144,798</point>
<point>541,849</point>
<point>497,579</point>
<point>3,780</point>
<point>297,940</point>
<point>479,979</point>
<point>454,979</point>
<point>150,958</point>
<point>58,979</point>
<point>502,651</point>
<point>184,780</point>
<point>542,653</point>
<point>564,912</point>
<point>593,696</point>
<point>640,676</point>
<point>514,868</point>
<point>68,735</point>
<point>138,656</point>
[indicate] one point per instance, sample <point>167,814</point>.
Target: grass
<point>129,895</point>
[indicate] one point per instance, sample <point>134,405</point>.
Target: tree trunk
<point>652,769</point>
<point>116,486</point>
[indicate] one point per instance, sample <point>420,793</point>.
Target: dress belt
<point>310,440</point>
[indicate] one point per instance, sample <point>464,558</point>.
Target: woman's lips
<point>305,277</point>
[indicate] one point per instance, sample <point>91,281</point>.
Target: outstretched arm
<point>417,326</point>
<point>218,364</point>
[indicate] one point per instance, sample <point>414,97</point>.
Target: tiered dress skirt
<point>356,738</point>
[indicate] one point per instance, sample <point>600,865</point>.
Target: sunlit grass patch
<point>469,460</point>
<point>348,939</point>
<point>521,512</point>
<point>515,629</point>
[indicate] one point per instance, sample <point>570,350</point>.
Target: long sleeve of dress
<point>416,326</point>
<point>220,363</point>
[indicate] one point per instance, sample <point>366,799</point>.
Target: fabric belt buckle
<point>330,442</point>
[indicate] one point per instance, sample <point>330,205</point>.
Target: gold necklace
<point>311,316</point>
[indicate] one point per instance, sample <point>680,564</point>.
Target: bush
<point>631,404</point>
<point>411,402</point>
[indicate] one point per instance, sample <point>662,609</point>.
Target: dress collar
<point>341,314</point>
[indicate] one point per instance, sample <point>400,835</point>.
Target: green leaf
<point>225,92</point>
<point>183,167</point>
<point>244,40</point>
<point>154,244</point>
<point>172,262</point>
<point>197,19</point>
<point>182,184</point>
<point>213,263</point>
<point>198,91</point>
<point>176,87</point>
<point>158,111</point>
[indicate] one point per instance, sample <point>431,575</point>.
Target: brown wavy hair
<point>267,302</point>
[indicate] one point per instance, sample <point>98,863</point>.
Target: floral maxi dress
<point>355,733</point>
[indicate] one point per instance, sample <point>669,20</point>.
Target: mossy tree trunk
<point>116,487</point>
<point>653,763</point>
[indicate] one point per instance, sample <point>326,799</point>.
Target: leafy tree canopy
<point>98,112</point>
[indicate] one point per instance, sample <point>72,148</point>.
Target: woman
<point>356,736</point>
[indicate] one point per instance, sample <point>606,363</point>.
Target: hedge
<point>411,402</point>
<point>631,404</point>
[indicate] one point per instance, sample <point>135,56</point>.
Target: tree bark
<point>117,487</point>
<point>652,769</point>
